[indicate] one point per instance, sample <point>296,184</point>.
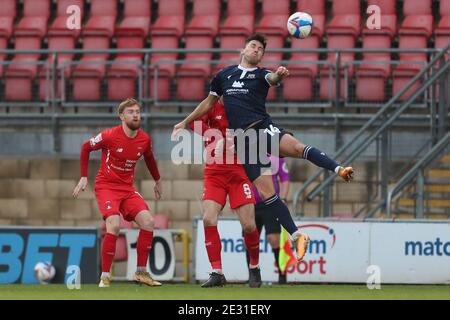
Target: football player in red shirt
<point>122,146</point>
<point>222,179</point>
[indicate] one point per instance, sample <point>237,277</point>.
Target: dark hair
<point>258,37</point>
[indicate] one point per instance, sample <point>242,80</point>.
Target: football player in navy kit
<point>244,89</point>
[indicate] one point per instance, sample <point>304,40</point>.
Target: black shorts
<point>253,152</point>
<point>267,219</point>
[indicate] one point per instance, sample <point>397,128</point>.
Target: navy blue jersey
<point>244,92</point>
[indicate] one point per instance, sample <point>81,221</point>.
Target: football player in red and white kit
<point>222,179</point>
<point>122,146</point>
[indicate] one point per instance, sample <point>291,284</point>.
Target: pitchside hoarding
<point>161,262</point>
<point>342,252</point>
<point>22,247</point>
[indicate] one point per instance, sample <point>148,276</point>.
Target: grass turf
<point>230,292</point>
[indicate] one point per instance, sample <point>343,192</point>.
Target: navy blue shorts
<point>256,145</point>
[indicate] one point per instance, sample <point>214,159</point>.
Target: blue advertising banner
<point>21,248</point>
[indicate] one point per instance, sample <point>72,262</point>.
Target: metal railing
<point>383,121</point>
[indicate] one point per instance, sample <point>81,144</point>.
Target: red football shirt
<point>120,154</point>
<point>215,119</point>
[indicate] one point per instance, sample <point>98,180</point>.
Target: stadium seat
<point>21,73</point>
<point>165,70</point>
<point>35,18</point>
<point>137,16</point>
<point>230,42</point>
<point>102,19</point>
<point>59,25</point>
<point>442,32</point>
<point>205,20</point>
<point>346,18</point>
<point>170,19</point>
<point>417,7</point>
<point>411,64</point>
<point>317,10</point>
<point>274,17</point>
<point>240,19</point>
<point>300,87</point>
<point>272,60</point>
<point>371,76</point>
<point>86,76</point>
<point>161,220</point>
<point>387,7</point>
<point>191,76</point>
<point>7,16</point>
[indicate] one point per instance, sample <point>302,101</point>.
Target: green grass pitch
<point>230,292</point>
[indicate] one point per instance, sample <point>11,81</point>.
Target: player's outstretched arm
<point>201,109</point>
<point>276,77</point>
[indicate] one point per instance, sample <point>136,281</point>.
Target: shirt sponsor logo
<point>93,141</point>
<point>238,84</point>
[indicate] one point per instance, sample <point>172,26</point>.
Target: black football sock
<point>319,158</point>
<point>275,205</point>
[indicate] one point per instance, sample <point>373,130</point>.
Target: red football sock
<point>108,251</point>
<point>213,247</point>
<point>144,244</point>
<point>251,240</point>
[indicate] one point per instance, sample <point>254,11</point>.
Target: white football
<point>300,25</point>
<point>44,272</point>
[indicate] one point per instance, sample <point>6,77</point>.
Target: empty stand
<point>7,16</point>
<point>240,18</point>
<point>28,36</point>
<point>131,34</point>
<point>372,75</point>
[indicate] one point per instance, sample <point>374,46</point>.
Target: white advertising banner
<point>162,258</point>
<point>342,252</point>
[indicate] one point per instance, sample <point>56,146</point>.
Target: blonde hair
<point>127,103</point>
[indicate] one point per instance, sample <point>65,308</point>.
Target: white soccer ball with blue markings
<point>44,272</point>
<point>300,25</point>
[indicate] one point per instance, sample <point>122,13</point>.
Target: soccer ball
<point>44,272</point>
<point>300,25</point>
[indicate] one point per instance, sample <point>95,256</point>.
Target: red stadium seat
<point>87,75</point>
<point>387,7</point>
<point>165,70</point>
<point>59,25</point>
<point>23,70</point>
<point>137,18</point>
<point>205,20</point>
<point>344,7</point>
<point>371,76</point>
<point>191,76</point>
<point>300,87</point>
<point>230,42</point>
<point>388,26</point>
<point>346,18</point>
<point>317,10</point>
<point>240,19</point>
<point>122,75</point>
<point>7,16</point>
<point>35,17</point>
<point>406,71</point>
<point>444,8</point>
<point>170,19</point>
<point>161,220</point>
<point>417,7</point>
<point>103,18</point>
<point>417,25</point>
<point>274,16</point>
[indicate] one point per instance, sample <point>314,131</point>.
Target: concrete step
<point>445,159</point>
<point>433,203</point>
<point>439,173</point>
<point>440,188</point>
